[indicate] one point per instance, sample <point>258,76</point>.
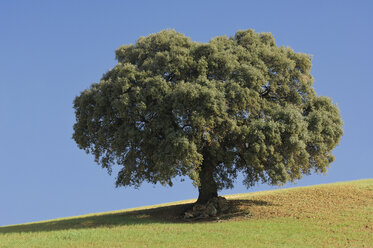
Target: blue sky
<point>50,51</point>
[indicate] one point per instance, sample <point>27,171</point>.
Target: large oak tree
<point>173,107</point>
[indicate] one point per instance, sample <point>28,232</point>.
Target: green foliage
<point>242,101</point>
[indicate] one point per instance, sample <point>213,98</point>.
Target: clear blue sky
<point>52,50</point>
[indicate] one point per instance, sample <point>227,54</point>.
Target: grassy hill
<point>330,215</point>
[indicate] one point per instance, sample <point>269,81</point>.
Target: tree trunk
<point>208,188</point>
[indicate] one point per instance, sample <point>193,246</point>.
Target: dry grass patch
<point>306,202</point>
<point>332,202</point>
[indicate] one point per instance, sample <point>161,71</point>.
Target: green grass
<point>330,215</point>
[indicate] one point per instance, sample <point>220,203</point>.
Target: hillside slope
<point>330,215</point>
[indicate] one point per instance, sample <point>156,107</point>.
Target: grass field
<point>330,215</point>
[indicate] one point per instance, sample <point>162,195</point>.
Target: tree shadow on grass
<point>164,215</point>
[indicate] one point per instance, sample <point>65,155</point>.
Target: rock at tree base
<point>211,210</point>
<point>213,207</point>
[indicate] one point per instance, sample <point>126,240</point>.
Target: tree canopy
<point>174,107</point>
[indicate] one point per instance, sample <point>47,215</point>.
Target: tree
<point>173,107</point>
